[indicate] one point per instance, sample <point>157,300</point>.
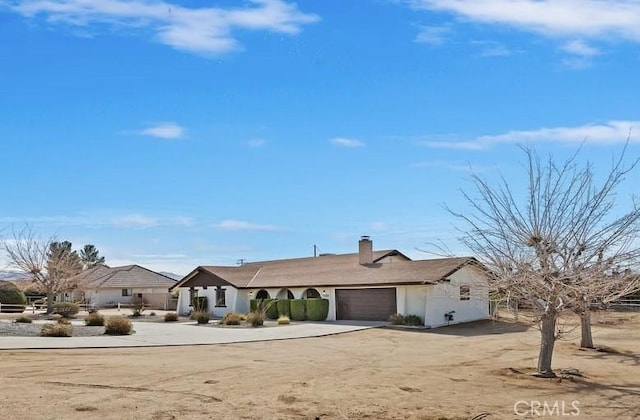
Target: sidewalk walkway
<point>151,334</point>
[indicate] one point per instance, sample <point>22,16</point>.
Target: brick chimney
<point>365,250</point>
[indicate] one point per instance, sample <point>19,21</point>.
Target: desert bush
<point>231,318</point>
<point>317,309</point>
<point>137,306</point>
<point>66,309</point>
<point>201,317</point>
<point>283,320</point>
<point>23,319</point>
<point>94,319</point>
<point>11,296</point>
<point>413,320</point>
<point>396,319</point>
<point>170,317</point>
<point>63,321</point>
<point>200,303</point>
<point>118,325</point>
<point>256,318</point>
<point>152,313</point>
<point>298,309</point>
<point>56,330</point>
<point>284,307</point>
<point>270,308</point>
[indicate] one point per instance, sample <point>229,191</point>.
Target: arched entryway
<point>284,294</point>
<point>311,293</point>
<point>262,294</point>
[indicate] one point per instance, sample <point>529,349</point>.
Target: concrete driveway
<point>149,334</point>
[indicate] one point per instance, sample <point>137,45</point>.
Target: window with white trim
<point>465,293</point>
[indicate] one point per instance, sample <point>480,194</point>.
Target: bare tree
<point>49,264</point>
<point>559,246</point>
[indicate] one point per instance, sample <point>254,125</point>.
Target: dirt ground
<point>449,373</point>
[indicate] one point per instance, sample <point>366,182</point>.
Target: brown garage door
<point>366,304</point>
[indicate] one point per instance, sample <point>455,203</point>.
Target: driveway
<point>151,334</point>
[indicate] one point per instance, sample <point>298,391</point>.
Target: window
<point>127,292</point>
<point>465,293</point>
<point>221,296</point>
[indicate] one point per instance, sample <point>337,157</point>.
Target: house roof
<point>327,271</point>
<point>128,276</point>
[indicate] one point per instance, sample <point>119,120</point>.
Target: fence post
<point>118,306</point>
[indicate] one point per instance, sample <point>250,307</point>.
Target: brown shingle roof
<point>331,270</point>
<point>128,276</point>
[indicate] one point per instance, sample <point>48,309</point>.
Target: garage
<point>366,304</point>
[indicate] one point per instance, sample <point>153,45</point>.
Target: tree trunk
<point>586,341</point>
<point>547,341</point>
<point>50,296</point>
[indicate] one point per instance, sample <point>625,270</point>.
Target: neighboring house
<point>106,286</point>
<point>368,285</point>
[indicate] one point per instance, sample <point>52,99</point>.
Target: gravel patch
<point>15,329</point>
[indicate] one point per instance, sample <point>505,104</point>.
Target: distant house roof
<point>327,271</point>
<point>128,276</point>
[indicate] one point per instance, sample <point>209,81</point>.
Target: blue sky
<point>175,134</point>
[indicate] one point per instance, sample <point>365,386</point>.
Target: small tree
<point>559,247</point>
<point>49,264</point>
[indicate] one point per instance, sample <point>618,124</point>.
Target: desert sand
<point>456,372</point>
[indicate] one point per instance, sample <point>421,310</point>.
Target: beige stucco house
<point>109,286</point>
<point>367,285</point>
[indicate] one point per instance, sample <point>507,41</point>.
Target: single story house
<point>108,286</point>
<point>367,285</point>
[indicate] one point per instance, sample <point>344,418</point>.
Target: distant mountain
<point>13,275</point>
<point>172,275</point>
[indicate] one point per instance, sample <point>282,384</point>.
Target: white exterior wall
<point>445,297</point>
<point>233,304</point>
<point>415,302</point>
<point>156,296</point>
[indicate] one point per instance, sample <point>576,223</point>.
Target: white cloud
<point>242,225</point>
<point>165,130</point>
<point>345,142</point>
<point>135,221</point>
<point>432,35</point>
<point>379,226</point>
<point>582,18</point>
<point>204,30</point>
<point>609,133</point>
<point>580,48</point>
<point>139,221</point>
<point>566,20</point>
<point>256,143</point>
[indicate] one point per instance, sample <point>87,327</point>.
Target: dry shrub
<point>118,326</point>
<point>94,319</point>
<point>170,317</point>
<point>256,318</point>
<point>23,319</point>
<point>56,330</point>
<point>201,317</point>
<point>231,318</point>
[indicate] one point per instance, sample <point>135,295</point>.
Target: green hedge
<point>317,309</point>
<point>271,306</point>
<point>253,304</point>
<point>10,294</point>
<point>284,307</point>
<point>200,303</point>
<point>298,309</point>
